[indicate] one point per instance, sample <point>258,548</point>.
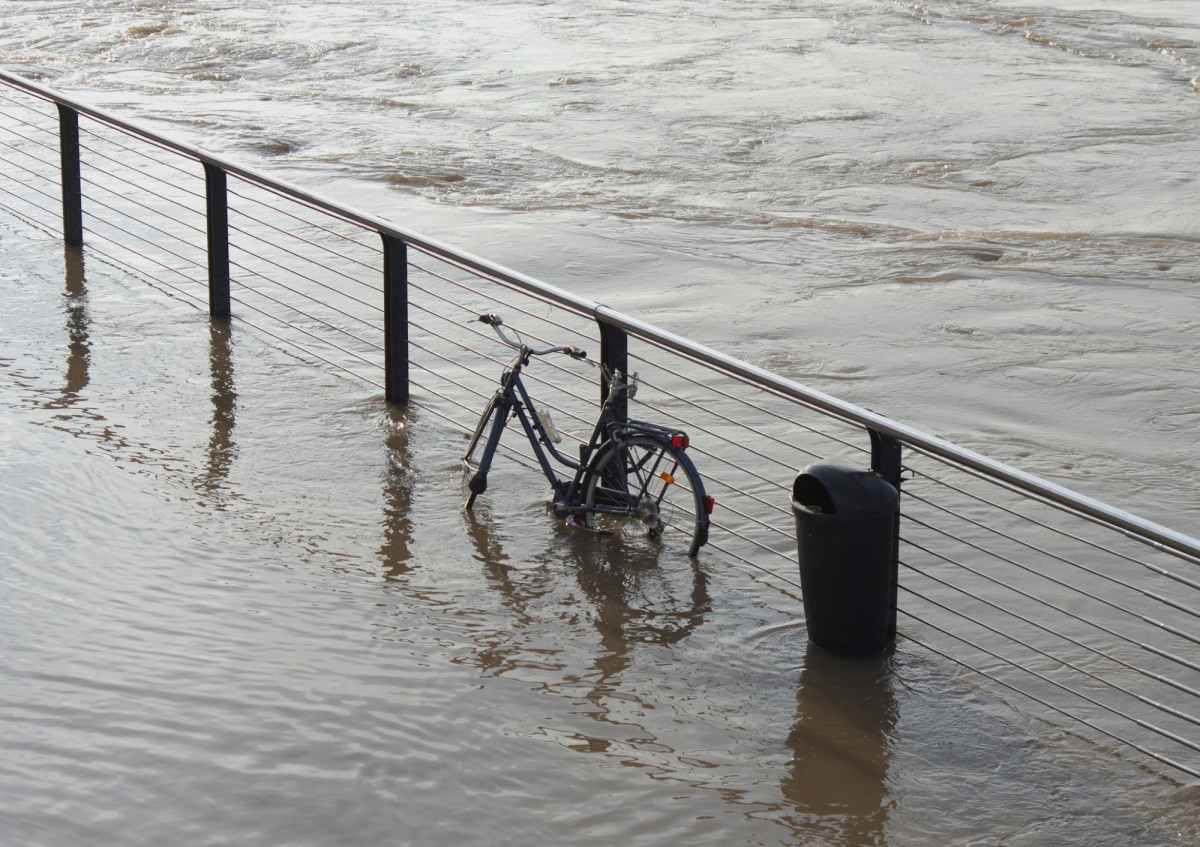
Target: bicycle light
<point>709,504</point>
<point>680,442</point>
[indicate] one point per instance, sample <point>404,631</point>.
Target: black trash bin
<point>846,539</point>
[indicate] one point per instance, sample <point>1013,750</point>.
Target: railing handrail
<point>1136,527</point>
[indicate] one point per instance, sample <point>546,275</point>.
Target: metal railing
<point>1085,612</point>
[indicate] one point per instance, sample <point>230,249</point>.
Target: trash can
<point>846,541</point>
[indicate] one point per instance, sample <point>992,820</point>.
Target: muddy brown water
<point>241,601</point>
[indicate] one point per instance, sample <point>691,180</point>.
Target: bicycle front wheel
<point>648,494</point>
<point>469,457</point>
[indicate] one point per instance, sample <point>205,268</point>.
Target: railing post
<point>217,202</point>
<point>886,460</point>
<point>72,188</point>
<point>395,318</point>
<point>614,355</point>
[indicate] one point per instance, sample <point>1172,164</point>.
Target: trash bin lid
<point>832,489</point>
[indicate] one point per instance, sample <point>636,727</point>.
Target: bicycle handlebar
<point>497,323</point>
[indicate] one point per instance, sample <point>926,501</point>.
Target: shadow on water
<point>841,746</point>
<point>396,552</point>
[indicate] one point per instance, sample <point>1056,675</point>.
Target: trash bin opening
<point>809,493</point>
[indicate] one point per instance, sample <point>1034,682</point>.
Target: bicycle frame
<point>512,399</point>
<point>625,470</point>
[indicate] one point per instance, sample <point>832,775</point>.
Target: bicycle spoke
<point>630,495</point>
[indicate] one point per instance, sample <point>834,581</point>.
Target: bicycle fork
<point>501,409</point>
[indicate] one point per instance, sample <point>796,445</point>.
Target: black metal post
<point>614,355</point>
<point>72,189</point>
<point>395,319</point>
<point>218,241</point>
<point>886,460</point>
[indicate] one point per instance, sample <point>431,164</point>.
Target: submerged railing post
<point>614,356</point>
<point>72,189</point>
<point>886,460</point>
<point>395,318</point>
<point>217,201</point>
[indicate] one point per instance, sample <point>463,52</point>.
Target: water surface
<point>241,601</point>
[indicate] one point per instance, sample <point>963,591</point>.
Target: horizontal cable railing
<point>1077,612</point>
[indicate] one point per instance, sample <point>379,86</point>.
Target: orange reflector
<point>667,478</point>
<point>709,503</point>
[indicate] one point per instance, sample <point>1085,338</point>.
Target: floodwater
<point>240,601</point>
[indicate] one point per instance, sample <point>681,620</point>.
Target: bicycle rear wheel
<point>648,494</point>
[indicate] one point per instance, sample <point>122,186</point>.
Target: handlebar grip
<point>575,352</point>
<point>490,320</point>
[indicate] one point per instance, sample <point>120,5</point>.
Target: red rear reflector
<point>680,442</point>
<point>709,503</point>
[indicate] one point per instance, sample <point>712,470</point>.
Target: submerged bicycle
<point>632,479</point>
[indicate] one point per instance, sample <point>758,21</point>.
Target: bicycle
<point>633,479</point>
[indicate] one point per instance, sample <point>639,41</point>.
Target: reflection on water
<point>632,601</point>
<point>840,744</point>
<point>221,447</point>
<point>77,412</point>
<point>78,346</point>
<point>395,552</point>
<point>636,598</point>
<point>498,652</point>
<point>78,368</point>
<point>659,600</point>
